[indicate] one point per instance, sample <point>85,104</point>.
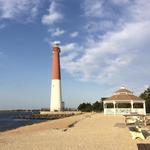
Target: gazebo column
<point>144,108</point>
<point>104,106</point>
<point>114,103</point>
<point>131,106</point>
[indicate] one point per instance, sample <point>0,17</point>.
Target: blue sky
<point>104,45</point>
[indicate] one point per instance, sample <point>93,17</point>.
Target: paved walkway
<point>91,132</point>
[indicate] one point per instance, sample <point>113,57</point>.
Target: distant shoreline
<point>19,110</point>
<point>9,121</point>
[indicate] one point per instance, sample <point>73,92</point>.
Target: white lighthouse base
<point>56,96</point>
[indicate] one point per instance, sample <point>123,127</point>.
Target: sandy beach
<point>86,132</point>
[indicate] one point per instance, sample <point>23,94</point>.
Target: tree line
<point>146,96</point>
<point>98,106</point>
<point>88,107</point>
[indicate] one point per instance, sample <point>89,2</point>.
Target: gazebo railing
<point>109,111</point>
<point>139,110</point>
<point>123,111</point>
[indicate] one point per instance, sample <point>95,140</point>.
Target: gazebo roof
<point>124,94</point>
<point>123,90</point>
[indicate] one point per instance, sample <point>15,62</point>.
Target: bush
<point>98,106</point>
<point>87,107</point>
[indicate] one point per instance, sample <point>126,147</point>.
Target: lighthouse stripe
<point>56,96</point>
<point>56,63</point>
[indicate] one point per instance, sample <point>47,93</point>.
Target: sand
<point>82,132</point>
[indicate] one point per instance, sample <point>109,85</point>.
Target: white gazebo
<point>124,102</point>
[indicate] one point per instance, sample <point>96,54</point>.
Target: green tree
<point>97,106</point>
<point>146,96</point>
<point>85,107</point>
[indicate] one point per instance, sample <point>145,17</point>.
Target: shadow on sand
<point>143,146</point>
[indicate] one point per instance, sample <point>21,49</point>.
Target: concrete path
<point>86,132</point>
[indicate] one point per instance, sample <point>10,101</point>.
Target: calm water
<point>8,120</point>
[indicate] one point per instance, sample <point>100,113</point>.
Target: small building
<point>124,102</point>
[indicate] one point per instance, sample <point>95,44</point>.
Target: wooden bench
<point>136,119</point>
<point>136,132</point>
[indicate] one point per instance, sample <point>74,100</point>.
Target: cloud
<point>14,9</point>
<point>104,25</point>
<point>113,55</point>
<point>140,10</point>
<point>93,8</point>
<point>70,47</point>
<point>121,2</point>
<point>115,47</point>
<point>53,14</point>
<point>74,34</point>
<point>70,53</point>
<point>56,32</point>
<point>111,9</point>
<point>103,16</point>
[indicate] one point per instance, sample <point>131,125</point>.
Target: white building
<point>124,102</point>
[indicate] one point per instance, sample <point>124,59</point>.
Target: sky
<point>105,44</point>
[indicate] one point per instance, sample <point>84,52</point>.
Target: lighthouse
<point>56,93</point>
